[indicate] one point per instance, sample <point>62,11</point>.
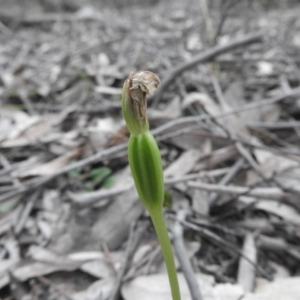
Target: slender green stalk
<point>145,161</point>
<point>162,234</point>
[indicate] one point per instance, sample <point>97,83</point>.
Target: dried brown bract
<point>137,85</point>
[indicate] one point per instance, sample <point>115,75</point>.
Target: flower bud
<point>134,103</point>
<point>146,168</point>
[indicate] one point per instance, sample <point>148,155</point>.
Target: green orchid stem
<point>145,161</point>
<point>163,237</point>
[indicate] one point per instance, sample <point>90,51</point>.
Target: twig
<point>248,157</point>
<point>254,58</point>
<point>105,154</point>
<point>233,135</point>
<point>37,182</point>
<point>132,244</point>
<point>202,174</point>
<point>113,151</point>
<point>239,146</point>
<point>81,109</point>
<point>17,165</point>
<point>85,199</point>
<point>27,103</point>
<point>73,54</point>
<point>243,151</point>
<point>7,168</point>
<point>273,125</point>
<point>291,153</point>
<point>278,244</point>
<point>227,178</point>
<point>107,256</point>
<point>218,226</point>
<point>205,56</point>
<point>32,19</point>
<point>213,236</point>
<point>26,212</point>
<point>156,253</point>
<point>246,107</point>
<point>271,193</point>
<point>229,5</point>
<point>186,267</point>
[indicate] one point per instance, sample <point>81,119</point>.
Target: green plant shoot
<point>145,161</point>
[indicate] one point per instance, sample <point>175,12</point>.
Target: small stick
<point>88,199</point>
<point>37,182</point>
<point>278,244</point>
<point>202,174</point>
<point>272,193</point>
<point>246,107</point>
<point>7,168</point>
<point>132,244</point>
<point>154,255</point>
<point>182,256</point>
<point>26,212</point>
<point>233,135</point>
<point>227,178</point>
<point>290,152</point>
<point>209,234</point>
<point>203,57</point>
<point>27,102</point>
<point>273,125</point>
<point>116,150</point>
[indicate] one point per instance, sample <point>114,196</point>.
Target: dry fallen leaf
<point>114,221</point>
<point>184,164</point>
<point>284,169</point>
<point>86,199</point>
<point>46,262</point>
<point>29,136</point>
<point>171,111</point>
<point>103,132</point>
<point>19,122</point>
<point>284,211</point>
<point>233,122</point>
<point>6,265</point>
<point>37,269</point>
<point>52,166</point>
<point>97,268</point>
<point>203,100</point>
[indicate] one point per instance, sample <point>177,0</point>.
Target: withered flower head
<point>134,103</point>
